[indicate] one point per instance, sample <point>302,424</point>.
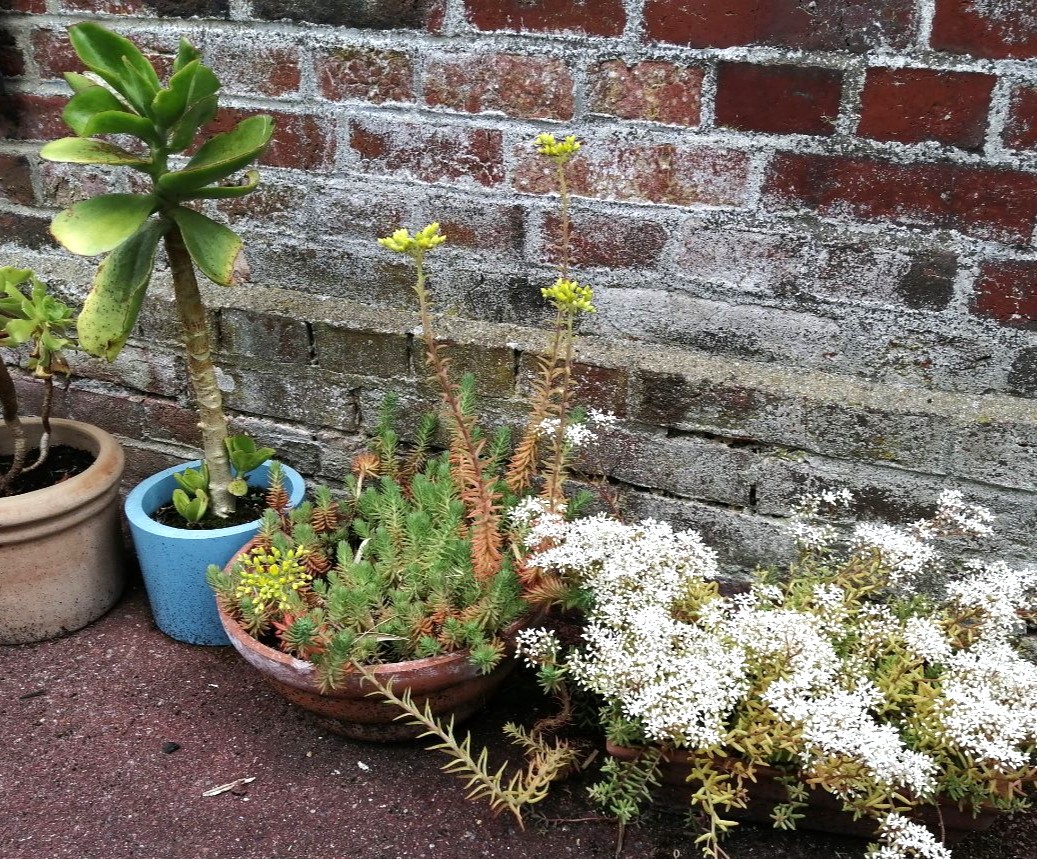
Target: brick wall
<point>810,227</point>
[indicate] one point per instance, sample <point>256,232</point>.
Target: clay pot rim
<point>236,632</point>
<point>68,495</point>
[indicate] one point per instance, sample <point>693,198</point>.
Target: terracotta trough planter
<point>450,684</point>
<point>61,551</point>
<point>824,813</point>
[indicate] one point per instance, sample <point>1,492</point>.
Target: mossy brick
<point>594,386</point>
<point>263,335</point>
<point>530,87</point>
<point>306,395</point>
<point>373,75</point>
<point>337,452</point>
<point>493,367</point>
<point>651,90</point>
<point>685,466</point>
<point>16,179</point>
<point>365,353</point>
<point>362,14</point>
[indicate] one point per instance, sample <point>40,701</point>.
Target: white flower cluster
<point>906,555</point>
<point>537,646</point>
<point>902,838</point>
<point>577,433</point>
<point>994,591</point>
<point>955,517</point>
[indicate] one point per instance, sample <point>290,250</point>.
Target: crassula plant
<point>837,672</point>
<point>37,318</point>
<point>122,95</point>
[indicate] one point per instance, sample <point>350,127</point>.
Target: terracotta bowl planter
<point>61,551</point>
<point>824,813</point>
<point>450,684</point>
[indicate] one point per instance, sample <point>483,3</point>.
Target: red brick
<point>1007,292</point>
<point>112,7</point>
<point>593,17</point>
<point>656,91</point>
<point>1021,124</point>
<point>53,53</point>
<point>853,25</point>
<point>30,6</point>
<point>12,61</point>
<point>658,172</point>
<point>984,28</point>
<point>265,69</point>
<point>516,85</point>
<point>162,8</point>
<point>607,241</point>
<point>61,185</point>
<point>988,204</point>
<point>16,179</point>
<point>364,74</point>
<point>778,99</point>
<point>361,14</point>
<point>32,117</point>
<point>912,105</point>
<point>30,230</point>
<point>300,141</point>
<point>430,154</point>
<point>475,223</point>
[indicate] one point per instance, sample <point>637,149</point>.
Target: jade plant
<point>124,96</point>
<point>42,321</point>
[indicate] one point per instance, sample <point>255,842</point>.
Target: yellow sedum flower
<point>403,242</point>
<point>569,295</point>
<point>561,150</point>
<point>269,576</point>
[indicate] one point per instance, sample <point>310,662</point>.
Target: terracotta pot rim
<point>92,483</point>
<point>236,631</point>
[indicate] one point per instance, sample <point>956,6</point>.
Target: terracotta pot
<point>824,812</point>
<point>450,684</point>
<point>61,551</point>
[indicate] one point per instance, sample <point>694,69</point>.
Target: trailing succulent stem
<point>546,762</point>
<point>124,96</point>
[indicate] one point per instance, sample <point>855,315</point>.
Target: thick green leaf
<point>20,330</point>
<point>102,223</point>
<point>112,56</point>
<point>186,88</point>
<point>220,156</point>
<point>120,122</point>
<point>77,150</point>
<point>86,104</point>
<point>79,82</point>
<point>215,249</point>
<point>196,115</point>
<point>249,183</point>
<point>11,276</point>
<point>185,53</point>
<point>110,310</point>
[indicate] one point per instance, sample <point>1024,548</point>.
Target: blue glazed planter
<point>174,560</point>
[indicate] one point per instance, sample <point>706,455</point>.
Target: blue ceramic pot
<point>174,560</point>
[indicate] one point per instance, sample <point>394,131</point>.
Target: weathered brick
<point>650,90</point>
<point>912,105</point>
<point>168,420</point>
<point>266,68</point>
<point>53,53</point>
<point>386,14</point>
<point>824,25</point>
<point>658,172</point>
<point>12,61</point>
<point>65,184</point>
<point>364,74</point>
<point>983,28</point>
<point>16,179</point>
<point>980,202</point>
<point>32,117</point>
<point>306,395</point>
<point>778,99</point>
<point>365,353</point>
<point>263,335</point>
<point>115,410</point>
<point>473,223</point>
<point>748,259</point>
<point>274,205</point>
<point>429,154</point>
<point>163,8</point>
<point>302,141</point>
<point>32,231</point>
<point>592,17</point>
<point>31,6</point>
<point>1006,291</point>
<point>670,399</point>
<point>607,240</point>
<point>1022,377</point>
<point>492,366</point>
<point>516,85</point>
<point>143,368</point>
<point>603,388</point>
<point>294,446</point>
<point>1021,123</point>
<point>996,451</point>
<point>929,282</point>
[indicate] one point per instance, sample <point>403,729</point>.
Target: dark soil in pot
<point>90,771</point>
<point>63,462</point>
<point>248,509</point>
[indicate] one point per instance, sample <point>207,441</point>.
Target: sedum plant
<point>124,96</point>
<point>836,673</point>
<point>42,321</point>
